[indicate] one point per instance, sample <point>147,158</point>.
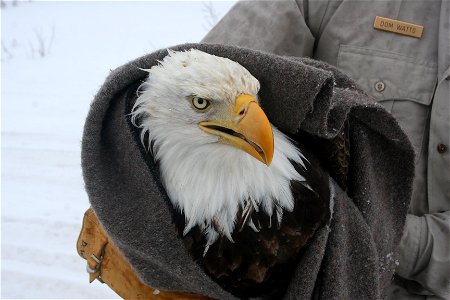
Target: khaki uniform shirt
<point>409,76</point>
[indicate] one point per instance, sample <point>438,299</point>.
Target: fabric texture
<point>353,257</point>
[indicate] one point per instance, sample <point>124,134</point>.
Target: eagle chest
<point>262,258</point>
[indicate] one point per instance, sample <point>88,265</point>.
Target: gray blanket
<point>352,258</point>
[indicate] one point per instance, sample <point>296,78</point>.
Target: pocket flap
<point>387,75</point>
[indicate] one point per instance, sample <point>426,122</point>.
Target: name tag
<point>399,27</point>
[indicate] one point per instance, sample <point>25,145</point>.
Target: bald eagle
<point>247,198</point>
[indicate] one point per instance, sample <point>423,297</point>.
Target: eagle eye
<point>200,104</point>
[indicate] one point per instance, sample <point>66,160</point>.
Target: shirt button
<point>379,86</point>
<point>441,148</point>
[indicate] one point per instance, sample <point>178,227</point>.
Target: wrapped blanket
<point>353,257</point>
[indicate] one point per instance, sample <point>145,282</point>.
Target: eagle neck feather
<point>211,182</point>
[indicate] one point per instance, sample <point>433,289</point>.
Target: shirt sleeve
<point>424,252</point>
<point>273,26</point>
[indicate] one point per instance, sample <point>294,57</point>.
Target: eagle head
<point>217,151</point>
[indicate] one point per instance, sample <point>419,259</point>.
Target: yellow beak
<point>249,130</point>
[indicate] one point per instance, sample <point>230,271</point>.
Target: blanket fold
<point>352,257</point>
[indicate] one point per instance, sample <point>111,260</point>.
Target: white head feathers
<point>206,180</point>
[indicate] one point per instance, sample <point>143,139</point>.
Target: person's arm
<point>273,26</point>
<point>424,252</point>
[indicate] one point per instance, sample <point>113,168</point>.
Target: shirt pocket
<point>399,83</point>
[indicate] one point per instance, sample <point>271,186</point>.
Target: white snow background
<point>45,98</point>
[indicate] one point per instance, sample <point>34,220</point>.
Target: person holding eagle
<point>398,52</point>
<point>222,172</point>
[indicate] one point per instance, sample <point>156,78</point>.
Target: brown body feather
<point>260,264</point>
<point>333,153</point>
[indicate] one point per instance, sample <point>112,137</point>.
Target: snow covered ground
<point>55,56</point>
